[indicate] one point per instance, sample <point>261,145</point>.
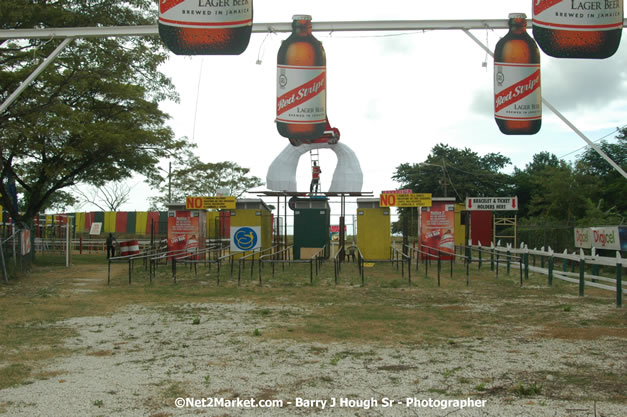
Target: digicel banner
<point>405,200</point>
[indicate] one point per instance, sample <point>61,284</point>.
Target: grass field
<point>331,321</point>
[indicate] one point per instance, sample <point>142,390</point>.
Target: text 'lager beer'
<point>517,88</point>
<point>206,27</point>
<point>578,28</point>
<point>301,85</point>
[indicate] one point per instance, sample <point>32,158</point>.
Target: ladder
<point>314,156</point>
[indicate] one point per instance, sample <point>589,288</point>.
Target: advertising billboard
<point>185,232</point>
<point>437,229</point>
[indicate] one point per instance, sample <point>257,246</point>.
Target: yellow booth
<point>374,234</point>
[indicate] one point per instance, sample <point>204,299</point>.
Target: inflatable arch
<point>347,177</point>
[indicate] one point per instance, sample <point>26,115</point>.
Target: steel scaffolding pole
<point>561,116</point>
<point>345,26</point>
<point>35,74</point>
<point>341,26</point>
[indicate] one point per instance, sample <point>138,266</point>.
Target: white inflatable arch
<point>347,177</point>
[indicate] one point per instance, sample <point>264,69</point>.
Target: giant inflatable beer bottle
<point>578,28</point>
<point>206,27</point>
<point>517,90</point>
<point>301,85</point>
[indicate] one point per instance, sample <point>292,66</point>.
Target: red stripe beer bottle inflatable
<point>301,85</point>
<point>517,88</point>
<point>206,27</point>
<point>578,28</point>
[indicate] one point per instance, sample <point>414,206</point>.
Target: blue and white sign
<point>245,238</point>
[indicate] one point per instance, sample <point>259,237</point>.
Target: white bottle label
<point>301,94</point>
<point>209,14</point>
<point>578,15</point>
<point>517,91</point>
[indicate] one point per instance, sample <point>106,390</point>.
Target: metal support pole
<point>174,269</point>
<point>439,269</point>
<point>560,115</point>
<point>619,284</point>
<point>467,272</point>
<point>452,260</point>
<point>34,75</point>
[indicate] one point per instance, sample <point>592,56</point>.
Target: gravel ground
<point>138,361</point>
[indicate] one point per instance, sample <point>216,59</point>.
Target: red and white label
<point>301,94</point>
<point>517,91</point>
<point>578,14</point>
<point>210,14</point>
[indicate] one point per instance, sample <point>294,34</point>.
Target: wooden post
<point>551,265</point>
<point>582,271</point>
<point>527,262</point>
<point>491,256</point>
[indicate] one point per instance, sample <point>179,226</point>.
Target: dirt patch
<point>141,359</point>
<point>587,333</point>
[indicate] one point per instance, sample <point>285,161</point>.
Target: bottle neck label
<point>301,94</point>
<point>517,91</point>
<point>209,14</point>
<point>579,15</point>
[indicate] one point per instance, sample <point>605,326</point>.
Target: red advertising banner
<point>438,229</point>
<point>184,233</point>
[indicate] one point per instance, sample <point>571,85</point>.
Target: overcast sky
<point>393,95</point>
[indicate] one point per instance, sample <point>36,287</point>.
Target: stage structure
<point>347,177</point>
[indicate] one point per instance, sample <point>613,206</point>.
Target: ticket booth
<point>186,229</point>
<point>374,234</point>
<point>312,222</point>
<point>250,226</point>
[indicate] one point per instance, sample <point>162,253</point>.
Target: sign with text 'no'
<point>405,200</point>
<point>220,203</point>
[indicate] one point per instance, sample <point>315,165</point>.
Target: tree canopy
<point>449,171</point>
<point>585,192</point>
<point>92,116</point>
<point>190,176</point>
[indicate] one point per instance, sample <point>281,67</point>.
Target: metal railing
<point>316,260</point>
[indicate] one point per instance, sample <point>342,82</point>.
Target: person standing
<point>110,246</point>
<point>315,177</point>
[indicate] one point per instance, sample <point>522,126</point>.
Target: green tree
<point>92,116</point>
<point>610,188</point>
<point>525,179</point>
<point>452,172</point>
<point>558,194</point>
<point>462,173</point>
<point>189,176</point>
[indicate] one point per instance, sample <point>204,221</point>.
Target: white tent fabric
<point>347,177</point>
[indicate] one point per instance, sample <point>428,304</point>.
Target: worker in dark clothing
<point>110,246</point>
<point>315,178</point>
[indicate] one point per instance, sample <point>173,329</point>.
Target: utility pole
<point>444,183</point>
<point>170,182</point>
